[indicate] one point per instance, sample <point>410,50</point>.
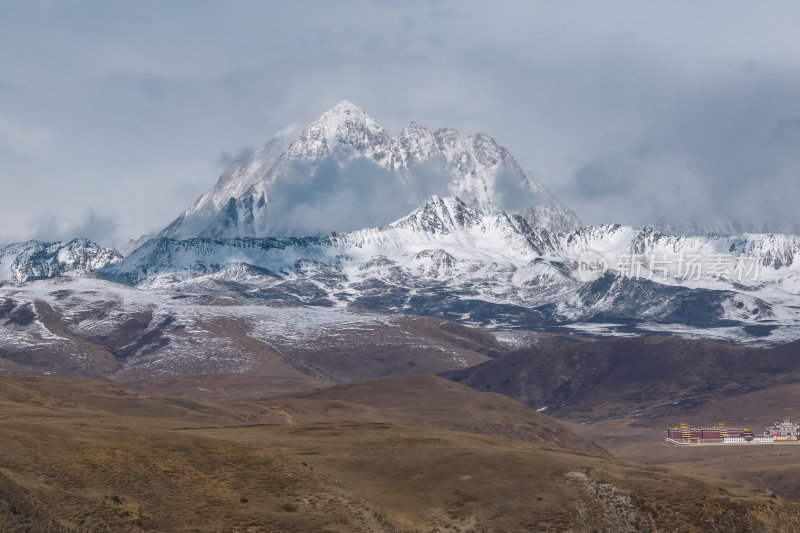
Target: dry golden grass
<point>89,456</point>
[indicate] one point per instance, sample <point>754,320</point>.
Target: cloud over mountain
<point>344,172</point>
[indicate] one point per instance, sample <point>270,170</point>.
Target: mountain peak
<point>415,126</point>
<point>413,165</point>
<point>342,112</point>
<point>439,215</point>
<point>346,105</point>
<point>343,124</point>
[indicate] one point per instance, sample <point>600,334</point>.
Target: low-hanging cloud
<point>334,195</point>
<point>95,225</point>
<point>726,154</point>
<point>340,193</point>
<point>510,192</point>
<point>227,159</point>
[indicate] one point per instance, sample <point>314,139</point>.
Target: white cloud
<point>133,111</point>
<point>24,138</point>
<point>94,225</point>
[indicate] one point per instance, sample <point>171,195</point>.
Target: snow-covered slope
<point>346,141</point>
<point>91,327</point>
<point>482,267</point>
<point>495,269</point>
<point>32,260</point>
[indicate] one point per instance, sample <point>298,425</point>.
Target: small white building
<point>732,440</point>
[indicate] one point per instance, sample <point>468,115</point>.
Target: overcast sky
<point>114,116</point>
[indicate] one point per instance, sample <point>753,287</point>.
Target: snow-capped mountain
<point>496,251</point>
<point>347,149</point>
<point>495,269</point>
<point>32,260</point>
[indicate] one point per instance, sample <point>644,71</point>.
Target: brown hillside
<point>89,456</point>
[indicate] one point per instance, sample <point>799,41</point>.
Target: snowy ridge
<point>467,234</point>
<point>777,253</point>
<point>489,268</point>
<point>450,260</point>
<point>32,260</point>
<point>217,213</point>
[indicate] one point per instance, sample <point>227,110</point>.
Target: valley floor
<point>774,468</point>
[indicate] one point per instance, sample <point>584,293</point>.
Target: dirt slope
<point>597,379</point>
